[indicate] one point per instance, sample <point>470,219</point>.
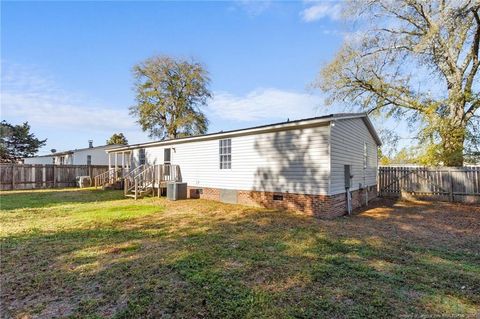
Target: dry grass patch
<point>94,254</point>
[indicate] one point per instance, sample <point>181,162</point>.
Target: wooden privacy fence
<point>455,184</point>
<point>31,176</point>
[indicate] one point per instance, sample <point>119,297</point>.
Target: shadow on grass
<point>48,198</point>
<point>258,264</point>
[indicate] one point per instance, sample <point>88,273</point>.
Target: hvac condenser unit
<point>83,181</point>
<point>176,190</point>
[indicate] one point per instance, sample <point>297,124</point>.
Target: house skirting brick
<point>322,206</point>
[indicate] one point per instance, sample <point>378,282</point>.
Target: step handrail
<point>129,178</point>
<point>132,180</point>
<point>144,179</point>
<point>139,178</point>
<point>107,176</point>
<point>132,172</point>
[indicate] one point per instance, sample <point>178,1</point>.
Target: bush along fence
<point>31,176</point>
<point>455,184</point>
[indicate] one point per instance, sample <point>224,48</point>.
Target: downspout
<point>330,126</point>
<point>365,186</point>
<point>365,165</point>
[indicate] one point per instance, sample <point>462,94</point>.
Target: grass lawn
<point>88,253</point>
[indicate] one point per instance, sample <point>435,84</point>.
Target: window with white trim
<point>141,156</point>
<point>167,155</point>
<point>89,159</point>
<point>225,152</point>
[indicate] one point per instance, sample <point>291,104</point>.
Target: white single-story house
<point>300,164</point>
<point>91,155</point>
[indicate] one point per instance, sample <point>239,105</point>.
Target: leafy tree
<point>383,159</point>
<point>16,142</point>
<point>415,60</point>
<point>407,155</point>
<point>170,94</point>
<point>117,139</point>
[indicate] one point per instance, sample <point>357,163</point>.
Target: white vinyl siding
<point>349,138</point>
<point>98,155</point>
<point>308,160</point>
<point>38,160</point>
<point>295,161</point>
<point>153,155</point>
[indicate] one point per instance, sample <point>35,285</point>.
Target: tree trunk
<point>452,143</point>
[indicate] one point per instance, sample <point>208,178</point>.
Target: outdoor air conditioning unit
<point>83,181</point>
<point>176,190</point>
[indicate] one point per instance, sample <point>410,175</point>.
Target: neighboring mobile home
<point>91,155</point>
<point>294,165</point>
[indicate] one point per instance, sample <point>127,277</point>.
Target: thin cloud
<point>253,7</point>
<point>265,104</point>
<point>29,95</point>
<point>316,11</point>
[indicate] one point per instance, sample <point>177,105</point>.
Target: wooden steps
<point>140,193</point>
<point>143,180</point>
<point>115,185</point>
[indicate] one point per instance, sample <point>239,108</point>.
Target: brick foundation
<point>322,206</point>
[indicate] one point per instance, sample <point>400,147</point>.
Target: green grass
<point>93,254</point>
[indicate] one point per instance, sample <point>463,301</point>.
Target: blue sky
<point>66,66</point>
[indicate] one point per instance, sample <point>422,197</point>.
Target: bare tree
<point>415,60</point>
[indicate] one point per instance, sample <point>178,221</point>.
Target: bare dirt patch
<point>105,256</point>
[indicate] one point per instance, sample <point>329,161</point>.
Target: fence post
<point>13,176</point>
<point>44,175</point>
<point>451,186</point>
<point>34,179</point>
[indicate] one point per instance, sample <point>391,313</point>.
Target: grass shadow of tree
<point>254,263</point>
<point>49,198</point>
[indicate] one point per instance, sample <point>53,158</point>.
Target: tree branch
<point>471,110</point>
<point>474,55</point>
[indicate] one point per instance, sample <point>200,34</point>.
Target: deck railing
<point>168,173</point>
<point>154,176</point>
<point>110,176</point>
<point>131,173</point>
<point>129,179</point>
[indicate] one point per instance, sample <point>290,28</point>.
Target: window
<point>141,156</point>
<point>167,155</point>
<point>225,151</point>
<point>365,154</point>
<point>89,159</point>
<point>62,160</point>
<point>166,160</point>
